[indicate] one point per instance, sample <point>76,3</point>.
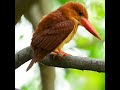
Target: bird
<point>58,28</point>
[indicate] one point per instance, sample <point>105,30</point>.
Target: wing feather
<point>50,38</point>
<point>50,33</point>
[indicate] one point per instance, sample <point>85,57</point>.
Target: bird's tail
<point>31,63</point>
<point>34,60</point>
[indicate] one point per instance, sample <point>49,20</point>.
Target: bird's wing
<point>49,39</point>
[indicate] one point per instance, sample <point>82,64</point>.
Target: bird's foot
<point>61,53</point>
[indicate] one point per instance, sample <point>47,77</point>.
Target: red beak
<point>89,27</point>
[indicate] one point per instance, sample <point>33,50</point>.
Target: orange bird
<point>58,28</point>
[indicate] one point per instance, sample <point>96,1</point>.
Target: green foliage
<point>85,80</point>
<point>64,1</point>
<point>21,37</point>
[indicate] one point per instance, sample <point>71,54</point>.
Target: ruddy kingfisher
<point>58,28</point>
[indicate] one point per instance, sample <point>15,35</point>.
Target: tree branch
<point>75,62</point>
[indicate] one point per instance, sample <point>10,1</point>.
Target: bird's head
<point>77,12</point>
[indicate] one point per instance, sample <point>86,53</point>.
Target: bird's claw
<point>60,52</point>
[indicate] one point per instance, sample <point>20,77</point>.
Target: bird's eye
<point>80,13</point>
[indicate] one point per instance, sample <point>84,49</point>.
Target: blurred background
<point>83,44</point>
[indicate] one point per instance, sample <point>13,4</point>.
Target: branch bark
<point>75,62</point>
